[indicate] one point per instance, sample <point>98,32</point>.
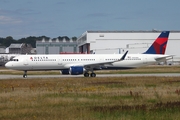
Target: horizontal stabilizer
<point>167,57</point>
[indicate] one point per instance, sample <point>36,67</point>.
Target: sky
<point>53,18</point>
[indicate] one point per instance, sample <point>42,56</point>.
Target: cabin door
<point>25,61</point>
<point>101,59</point>
<point>145,60</point>
<point>60,61</point>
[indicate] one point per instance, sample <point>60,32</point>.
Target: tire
<point>86,74</point>
<point>93,74</point>
<point>24,76</point>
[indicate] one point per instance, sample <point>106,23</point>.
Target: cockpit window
<point>15,60</point>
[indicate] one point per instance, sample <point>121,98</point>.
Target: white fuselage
<point>60,62</point>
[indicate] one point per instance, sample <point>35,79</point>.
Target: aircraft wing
<point>109,62</point>
<point>98,64</point>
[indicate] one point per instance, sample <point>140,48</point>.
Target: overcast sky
<point>53,18</point>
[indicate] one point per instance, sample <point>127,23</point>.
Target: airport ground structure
<point>56,46</point>
<point>118,42</point>
<point>106,42</point>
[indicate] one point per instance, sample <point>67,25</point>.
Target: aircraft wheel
<point>25,76</point>
<point>86,74</point>
<point>93,74</point>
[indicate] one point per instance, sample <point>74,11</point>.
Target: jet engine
<point>76,70</point>
<point>65,72</point>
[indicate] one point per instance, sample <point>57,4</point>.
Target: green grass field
<point>111,98</point>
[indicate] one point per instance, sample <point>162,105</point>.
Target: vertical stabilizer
<point>159,45</point>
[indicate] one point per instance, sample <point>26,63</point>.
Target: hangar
<point>56,46</point>
<point>116,42</point>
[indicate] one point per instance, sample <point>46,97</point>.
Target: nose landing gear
<point>25,74</point>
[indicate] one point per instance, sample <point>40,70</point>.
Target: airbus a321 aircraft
<point>76,64</point>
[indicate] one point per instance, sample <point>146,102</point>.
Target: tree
<point>30,40</point>
<point>66,38</point>
<point>1,41</point>
<point>74,38</point>
<point>8,40</point>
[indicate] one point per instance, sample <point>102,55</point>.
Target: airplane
<point>76,64</point>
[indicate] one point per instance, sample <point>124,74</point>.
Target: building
<point>22,48</point>
<point>115,42</point>
<point>56,46</point>
<point>2,49</point>
<point>14,50</point>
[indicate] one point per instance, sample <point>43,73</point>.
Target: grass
<point>90,98</point>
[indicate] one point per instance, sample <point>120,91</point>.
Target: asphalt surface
<point>98,75</point>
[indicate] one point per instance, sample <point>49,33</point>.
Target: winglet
<point>123,57</point>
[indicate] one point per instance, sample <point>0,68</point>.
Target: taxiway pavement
<point>98,75</point>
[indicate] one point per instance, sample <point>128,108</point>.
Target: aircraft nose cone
<point>8,65</point>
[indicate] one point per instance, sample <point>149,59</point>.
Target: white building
<point>110,42</point>
<point>2,49</point>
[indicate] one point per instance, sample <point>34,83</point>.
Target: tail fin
<point>159,45</point>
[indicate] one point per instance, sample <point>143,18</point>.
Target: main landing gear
<point>86,74</point>
<point>25,74</point>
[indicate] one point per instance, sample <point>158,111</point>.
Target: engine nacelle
<point>65,72</point>
<point>76,70</point>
